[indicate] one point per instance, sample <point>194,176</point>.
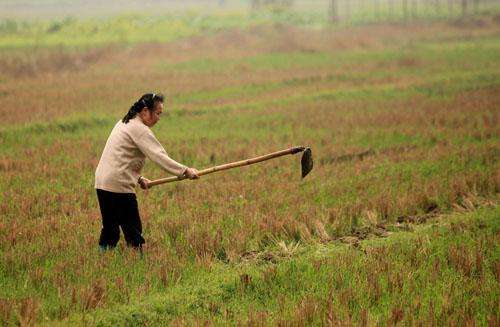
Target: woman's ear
<point>142,113</point>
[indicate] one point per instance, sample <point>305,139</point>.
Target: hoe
<point>306,163</point>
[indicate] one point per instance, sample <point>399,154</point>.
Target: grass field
<point>397,223</point>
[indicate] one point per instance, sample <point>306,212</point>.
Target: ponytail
<point>148,100</point>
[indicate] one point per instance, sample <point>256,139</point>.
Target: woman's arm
<point>149,145</point>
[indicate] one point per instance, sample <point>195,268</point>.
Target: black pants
<point>119,209</point>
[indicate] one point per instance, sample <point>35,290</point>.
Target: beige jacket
<point>123,157</point>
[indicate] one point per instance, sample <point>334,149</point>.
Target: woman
<point>119,168</point>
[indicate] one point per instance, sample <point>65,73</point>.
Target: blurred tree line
<point>344,10</point>
<point>273,5</point>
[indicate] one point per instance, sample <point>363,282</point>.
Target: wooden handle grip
<point>231,165</point>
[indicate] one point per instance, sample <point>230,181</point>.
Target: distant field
<point>398,221</point>
<point>123,23</point>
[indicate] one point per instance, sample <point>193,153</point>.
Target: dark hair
<point>148,100</point>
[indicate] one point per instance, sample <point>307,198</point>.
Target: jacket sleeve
<point>149,145</point>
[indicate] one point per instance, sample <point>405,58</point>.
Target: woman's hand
<point>143,182</point>
<point>191,173</point>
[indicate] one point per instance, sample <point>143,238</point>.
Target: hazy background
<point>343,9</point>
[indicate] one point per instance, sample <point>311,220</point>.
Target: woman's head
<point>149,108</point>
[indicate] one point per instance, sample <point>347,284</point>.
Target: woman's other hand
<point>191,173</point>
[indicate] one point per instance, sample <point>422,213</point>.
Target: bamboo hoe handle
<point>231,165</point>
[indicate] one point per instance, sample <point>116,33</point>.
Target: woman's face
<point>151,117</point>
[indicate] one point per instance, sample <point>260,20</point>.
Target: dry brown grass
<point>37,62</point>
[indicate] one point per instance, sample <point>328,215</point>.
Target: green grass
<point>124,29</point>
<point>409,276</point>
<point>134,28</point>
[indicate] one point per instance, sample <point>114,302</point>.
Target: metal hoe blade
<point>306,162</point>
